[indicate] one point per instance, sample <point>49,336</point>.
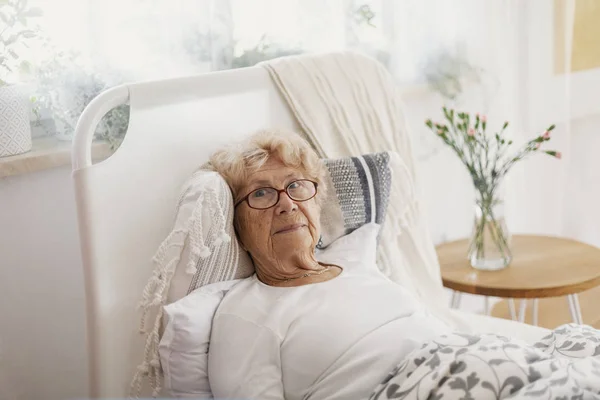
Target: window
<point>86,46</point>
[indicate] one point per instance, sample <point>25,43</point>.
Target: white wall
<point>581,214</point>
<point>42,342</point>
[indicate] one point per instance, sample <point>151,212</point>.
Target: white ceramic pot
<point>15,128</point>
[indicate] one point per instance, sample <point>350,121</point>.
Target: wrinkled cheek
<point>251,231</point>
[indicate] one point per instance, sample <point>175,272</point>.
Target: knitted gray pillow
<point>358,191</point>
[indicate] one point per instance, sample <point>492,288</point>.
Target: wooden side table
<point>542,266</point>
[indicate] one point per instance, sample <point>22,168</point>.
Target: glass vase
<point>490,240</point>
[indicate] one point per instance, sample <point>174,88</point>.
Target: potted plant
<point>15,110</point>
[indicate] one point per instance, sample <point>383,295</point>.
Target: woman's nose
<point>285,204</point>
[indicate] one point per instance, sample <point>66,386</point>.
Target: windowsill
<point>46,153</point>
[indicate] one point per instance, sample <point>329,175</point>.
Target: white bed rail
<point>86,125</point>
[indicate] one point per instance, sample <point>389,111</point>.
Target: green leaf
<point>505,125</point>
<point>429,124</point>
<point>551,127</point>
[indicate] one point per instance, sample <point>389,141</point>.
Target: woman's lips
<point>290,228</point>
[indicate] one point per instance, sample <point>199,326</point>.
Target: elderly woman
<point>301,328</point>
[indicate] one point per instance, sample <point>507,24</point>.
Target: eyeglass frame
<point>279,191</point>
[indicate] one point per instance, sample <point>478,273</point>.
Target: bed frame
<point>125,204</point>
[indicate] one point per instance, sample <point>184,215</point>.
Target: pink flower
<point>483,118</point>
<point>537,145</point>
<point>546,135</point>
<point>471,132</point>
<point>440,132</point>
<point>558,155</point>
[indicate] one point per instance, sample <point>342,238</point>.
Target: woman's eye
<point>294,185</point>
<point>258,193</point>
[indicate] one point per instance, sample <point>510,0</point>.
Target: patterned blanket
<point>563,365</point>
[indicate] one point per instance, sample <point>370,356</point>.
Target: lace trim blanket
<point>563,365</point>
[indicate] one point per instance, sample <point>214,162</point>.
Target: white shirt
<point>331,340</point>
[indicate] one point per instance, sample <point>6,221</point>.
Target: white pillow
<point>184,345</point>
<point>358,246</point>
<point>183,348</point>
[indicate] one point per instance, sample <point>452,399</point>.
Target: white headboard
<point>125,204</point>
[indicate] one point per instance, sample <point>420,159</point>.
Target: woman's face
<point>288,231</point>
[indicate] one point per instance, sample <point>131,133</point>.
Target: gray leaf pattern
<point>563,365</point>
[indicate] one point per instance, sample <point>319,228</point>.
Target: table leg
<point>535,312</point>
<point>578,308</point>
<point>512,309</point>
<point>455,301</point>
<point>575,308</point>
<point>522,309</point>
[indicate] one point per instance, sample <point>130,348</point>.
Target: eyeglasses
<point>267,197</point>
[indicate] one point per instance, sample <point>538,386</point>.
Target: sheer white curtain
<point>160,38</point>
<point>89,45</point>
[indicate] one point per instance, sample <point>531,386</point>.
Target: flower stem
<point>489,233</point>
